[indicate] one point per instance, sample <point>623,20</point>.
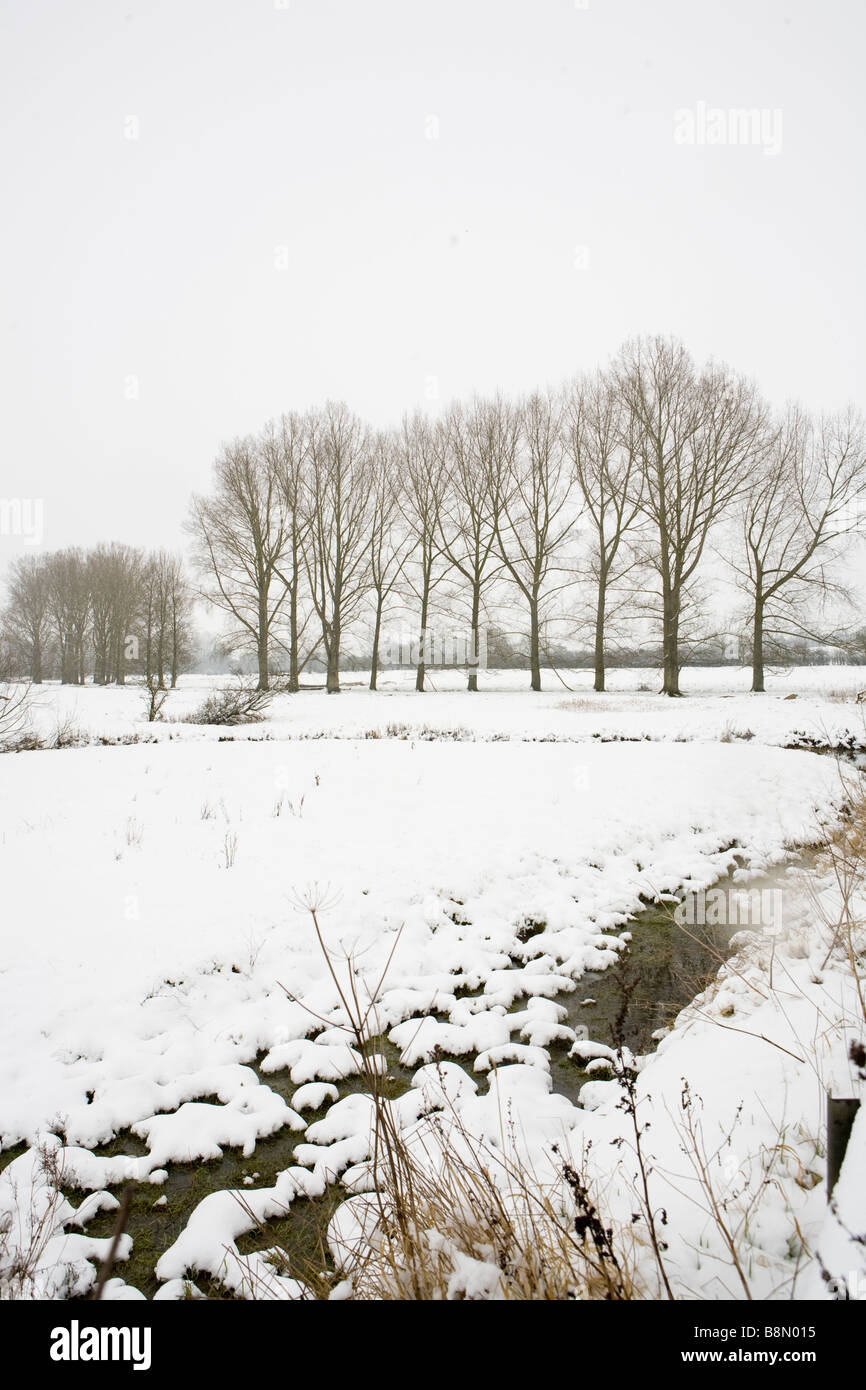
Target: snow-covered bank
<point>726,1120</point>
<point>734,1105</point>
<point>717,706</point>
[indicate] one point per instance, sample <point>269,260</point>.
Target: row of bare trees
<point>111,610</point>
<point>628,484</point>
<point>608,507</point>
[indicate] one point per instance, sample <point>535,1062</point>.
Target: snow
<point>159,941</point>
<point>198,1130</point>
<point>817,700</point>
<point>172,980</point>
<point>209,1241</point>
<point>174,1290</point>
<point>314,1095</point>
<point>52,1262</point>
<point>839,1271</point>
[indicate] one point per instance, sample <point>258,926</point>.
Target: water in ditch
<point>660,971</point>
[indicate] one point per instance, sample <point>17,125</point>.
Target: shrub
<point>14,713</point>
<point>241,703</point>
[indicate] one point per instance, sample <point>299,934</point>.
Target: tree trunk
<point>262,644</point>
<point>599,633</point>
<point>294,656</point>
<point>333,652</point>
<point>262,652</point>
<point>374,660</point>
<point>758,647</point>
<point>67,668</point>
<point>264,663</point>
<point>534,643</point>
<point>425,604</point>
<point>670,644</point>
<point>476,614</point>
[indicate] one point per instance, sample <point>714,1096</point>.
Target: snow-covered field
<point>155,912</point>
<point>817,700</point>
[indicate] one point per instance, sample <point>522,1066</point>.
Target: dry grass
<point>845,861</point>
<point>27,1227</point>
<point>452,1218</point>
<point>448,1215</point>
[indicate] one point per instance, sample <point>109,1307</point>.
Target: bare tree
<point>390,540</point>
<point>100,565</point>
<point>338,507</point>
<point>600,440</point>
<point>696,436</point>
<point>180,625</point>
<point>69,606</point>
<point>124,567</point>
<point>805,498</point>
<point>27,620</point>
<point>114,585</point>
<point>155,699</point>
<point>423,448</point>
<point>166,618</point>
<point>239,536</point>
<point>482,441</point>
<point>155,608</point>
<point>286,448</point>
<point>532,491</point>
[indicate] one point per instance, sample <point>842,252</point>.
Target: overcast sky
<point>216,210</point>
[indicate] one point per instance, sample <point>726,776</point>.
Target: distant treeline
<point>103,614</point>
<point>583,525</point>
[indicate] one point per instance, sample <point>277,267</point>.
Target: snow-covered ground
<point>155,912</point>
<point>816,700</point>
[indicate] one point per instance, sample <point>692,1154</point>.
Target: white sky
<point>305,126</point>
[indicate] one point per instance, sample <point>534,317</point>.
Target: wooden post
<point>840,1118</point>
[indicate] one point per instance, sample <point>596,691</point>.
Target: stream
<point>660,971</point>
